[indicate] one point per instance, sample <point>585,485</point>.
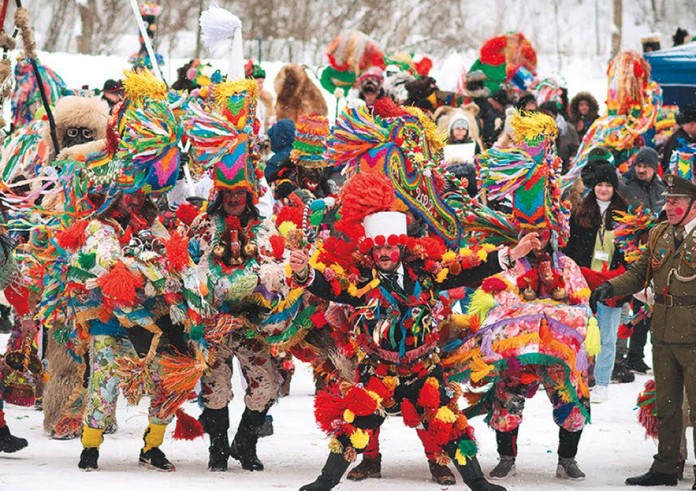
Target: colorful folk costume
<point>535,324</point>
<point>392,281</point>
<point>133,287</point>
<point>8,280</point>
<point>240,254</point>
<point>633,103</point>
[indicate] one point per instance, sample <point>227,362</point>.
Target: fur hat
<point>296,94</point>
<point>75,112</point>
<point>474,84</point>
<point>605,172</point>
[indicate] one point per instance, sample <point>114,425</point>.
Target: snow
<point>612,448</point>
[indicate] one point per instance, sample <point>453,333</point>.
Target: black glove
<point>603,292</point>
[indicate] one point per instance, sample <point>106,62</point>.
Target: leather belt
<point>676,300</point>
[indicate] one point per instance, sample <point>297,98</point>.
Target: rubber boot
<point>243,446</point>
<point>91,438</point>
<point>216,423</point>
<point>331,474</point>
<point>151,456</point>
<point>471,470</point>
<point>8,442</point>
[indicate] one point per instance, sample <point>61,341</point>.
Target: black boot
<point>331,474</point>
<point>215,423</point>
<point>473,476</point>
<point>10,443</point>
<point>88,459</point>
<point>653,478</point>
<point>243,446</point>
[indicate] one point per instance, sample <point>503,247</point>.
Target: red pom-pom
<point>18,298</point>
<point>119,286</point>
<point>232,223</point>
<point>177,252</point>
<point>360,402</point>
<point>318,319</point>
<point>291,214</point>
<point>625,332</point>
<point>393,240</point>
<point>493,285</point>
<point>366,246</point>
<point>72,237</point>
<point>380,240</point>
<point>375,385</point>
<point>187,213</point>
<point>277,246</point>
<point>439,431</point>
<point>409,413</point>
<point>187,427</point>
<point>423,66</point>
<point>328,410</point>
<point>429,396</point>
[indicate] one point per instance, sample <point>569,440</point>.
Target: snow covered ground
<point>613,447</point>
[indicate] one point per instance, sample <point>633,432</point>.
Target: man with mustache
<point>394,290</point>
<point>669,262</point>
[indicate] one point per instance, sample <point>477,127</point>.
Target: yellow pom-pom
<point>446,415</point>
<point>432,381</point>
<point>390,383</point>
<point>348,416</point>
<point>442,275</point>
<point>335,446</point>
<point>449,256</point>
<point>359,439</point>
<point>142,83</point>
<point>482,254</point>
<point>374,395</point>
<point>592,342</point>
<point>285,228</point>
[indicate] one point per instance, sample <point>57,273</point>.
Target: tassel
<point>177,314</point>
<point>73,237</point>
<point>409,414</point>
<point>150,290</point>
<point>177,252</point>
<point>132,372</point>
<point>592,338</point>
<point>187,427</point>
<point>625,331</point>
<point>119,285</point>
<point>181,373</point>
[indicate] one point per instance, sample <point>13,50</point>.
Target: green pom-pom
<point>87,261</point>
<point>196,332</point>
<point>467,447</point>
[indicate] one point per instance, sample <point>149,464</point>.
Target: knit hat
<point>648,156</point>
<point>252,70</point>
<point>459,123</point>
<point>310,141</point>
<point>605,172</point>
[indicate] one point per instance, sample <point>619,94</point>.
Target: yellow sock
<point>154,436</point>
<point>92,437</point>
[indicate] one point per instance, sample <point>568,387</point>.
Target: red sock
<point>2,418</point>
<point>372,449</point>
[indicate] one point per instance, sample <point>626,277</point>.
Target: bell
<point>218,251</point>
<point>528,294</point>
<point>558,293</point>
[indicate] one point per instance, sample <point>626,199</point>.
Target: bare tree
<point>617,27</point>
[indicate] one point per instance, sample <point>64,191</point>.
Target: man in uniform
<point>669,262</point>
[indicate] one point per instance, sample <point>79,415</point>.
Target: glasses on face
<point>85,132</point>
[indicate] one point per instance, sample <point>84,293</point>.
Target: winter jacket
<point>281,135</point>
<point>583,123</point>
<point>581,244</point>
<point>637,192</point>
